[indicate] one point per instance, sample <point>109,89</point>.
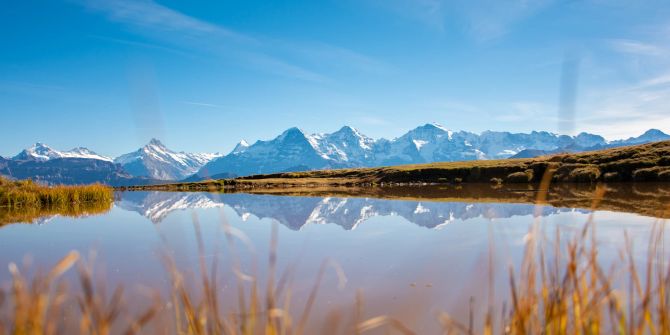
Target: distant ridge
<point>42,152</point>
<point>156,161</point>
<point>153,163</point>
<point>648,162</point>
<point>294,150</point>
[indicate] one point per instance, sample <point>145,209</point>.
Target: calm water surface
<point>410,258</point>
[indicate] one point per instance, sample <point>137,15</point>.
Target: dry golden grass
<point>26,194</point>
<point>569,291</point>
<point>24,201</point>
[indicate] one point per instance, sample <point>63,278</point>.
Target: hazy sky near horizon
<point>201,75</point>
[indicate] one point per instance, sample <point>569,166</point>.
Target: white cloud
<point>653,82</point>
<point>638,96</point>
<point>336,56</point>
<point>483,19</point>
<point>146,17</point>
<point>149,14</point>
<point>629,111</point>
<point>492,19</point>
<point>637,47</point>
<point>202,104</point>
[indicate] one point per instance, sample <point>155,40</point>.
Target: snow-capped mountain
<point>42,152</point>
<point>156,161</point>
<point>425,144</point>
<point>44,164</point>
<point>344,145</point>
<point>240,146</point>
<point>294,150</point>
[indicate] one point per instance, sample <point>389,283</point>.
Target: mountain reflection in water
<point>426,206</point>
<point>295,212</point>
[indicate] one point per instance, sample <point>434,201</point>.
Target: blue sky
<point>201,75</point>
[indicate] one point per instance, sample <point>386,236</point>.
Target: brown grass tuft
<point>24,200</point>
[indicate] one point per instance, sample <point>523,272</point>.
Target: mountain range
<point>155,161</point>
<point>295,150</point>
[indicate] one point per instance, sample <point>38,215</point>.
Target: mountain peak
<point>651,135</point>
<point>428,131</point>
<point>430,127</point>
<point>241,146</point>
<point>157,161</point>
<point>654,132</point>
<point>435,125</point>
<point>39,151</point>
<point>292,133</point>
<point>155,141</point>
<point>587,135</point>
<point>348,131</point>
<point>40,147</point>
<point>42,152</point>
<point>293,130</point>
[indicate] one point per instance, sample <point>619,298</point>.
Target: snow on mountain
<point>587,140</point>
<point>42,152</point>
<point>156,161</point>
<point>82,152</point>
<point>345,145</point>
<point>294,150</point>
<point>428,143</point>
<point>241,146</point>
<point>290,151</point>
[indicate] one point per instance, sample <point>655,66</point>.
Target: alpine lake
<point>409,252</point>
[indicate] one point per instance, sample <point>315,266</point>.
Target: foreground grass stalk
<point>561,287</point>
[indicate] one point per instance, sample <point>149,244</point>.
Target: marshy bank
<point>24,200</point>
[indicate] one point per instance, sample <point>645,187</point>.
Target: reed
<point>567,290</point>
<point>27,194</point>
<point>24,200</point>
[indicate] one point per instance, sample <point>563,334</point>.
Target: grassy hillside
<point>647,162</point>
